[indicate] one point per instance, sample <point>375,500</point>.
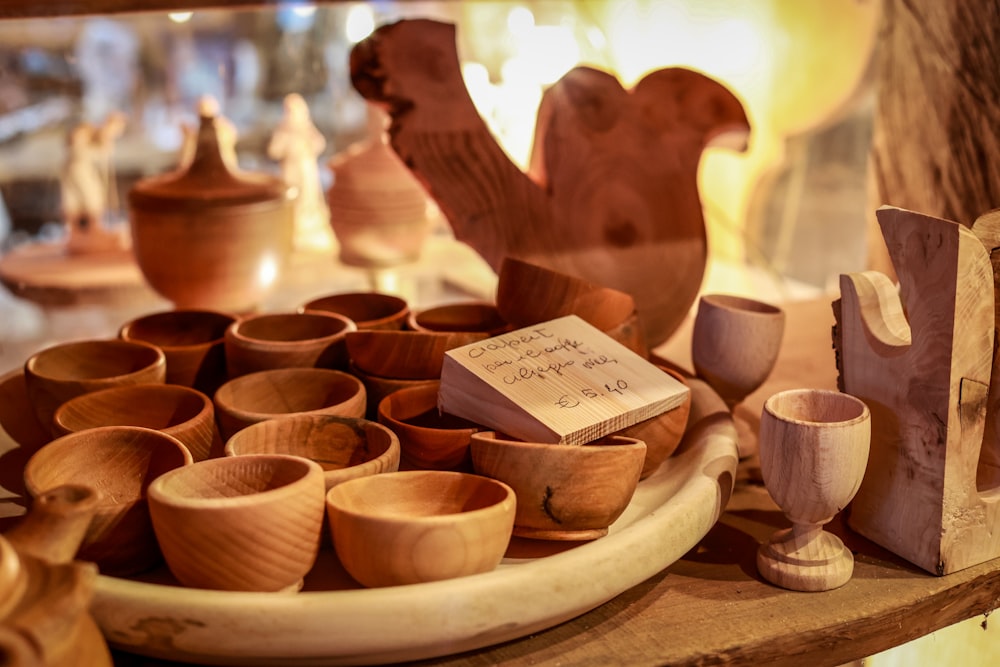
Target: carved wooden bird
<point>611,193</point>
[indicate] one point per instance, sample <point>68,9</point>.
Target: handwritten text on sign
<point>564,373</point>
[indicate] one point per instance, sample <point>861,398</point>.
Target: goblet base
<point>813,561</point>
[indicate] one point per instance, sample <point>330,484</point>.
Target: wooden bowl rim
<point>221,402</point>
<point>141,349</point>
<point>145,391</point>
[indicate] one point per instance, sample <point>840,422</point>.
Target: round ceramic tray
<point>333,621</point>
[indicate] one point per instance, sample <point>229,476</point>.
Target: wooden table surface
<point>711,607</point>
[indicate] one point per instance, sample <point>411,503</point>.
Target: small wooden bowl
<point>61,372</point>
<point>662,433</point>
<point>419,526</point>
<point>120,462</point>
<point>240,523</point>
<point>405,355</point>
<point>369,310</point>
<point>528,294</point>
<point>257,397</point>
<point>564,492</point>
<point>287,340</point>
<point>469,316</point>
<point>185,413</point>
<point>191,340</point>
<point>344,447</point>
<point>378,388</point>
<point>428,438</point>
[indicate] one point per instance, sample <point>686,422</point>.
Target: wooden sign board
<point>562,381</point>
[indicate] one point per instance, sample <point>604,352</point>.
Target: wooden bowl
<point>419,526</point>
<point>240,523</point>
<point>61,372</point>
<point>287,340</point>
<point>662,433</point>
<point>256,397</point>
<point>564,492</point>
<point>210,237</point>
<point>528,294</point>
<point>405,355</point>
<point>120,462</point>
<point>377,388</point>
<point>344,447</point>
<point>428,438</point>
<point>469,316</point>
<point>183,412</point>
<point>191,340</point>
<point>368,310</point>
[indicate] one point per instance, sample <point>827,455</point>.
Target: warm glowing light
<point>520,21</point>
<point>305,11</point>
<point>268,271</point>
<point>359,24</point>
<point>180,17</point>
<point>544,55</point>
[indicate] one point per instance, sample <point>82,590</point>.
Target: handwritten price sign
<point>561,381</point>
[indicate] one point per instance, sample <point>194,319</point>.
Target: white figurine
<point>86,186</point>
<point>297,145</point>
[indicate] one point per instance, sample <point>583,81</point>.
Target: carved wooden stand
<point>922,359</point>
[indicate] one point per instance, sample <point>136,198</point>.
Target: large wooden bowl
<point>61,372</point>
<point>192,342</point>
<point>369,310</point>
<point>405,355</point>
<point>344,447</point>
<point>120,462</point>
<point>428,438</point>
<point>256,397</point>
<point>240,523</point>
<point>420,526</point>
<point>564,492</point>
<point>285,340</point>
<point>185,413</point>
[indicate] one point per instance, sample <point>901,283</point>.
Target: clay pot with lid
<point>209,236</point>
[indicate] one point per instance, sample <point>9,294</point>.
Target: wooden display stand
<point>922,359</point>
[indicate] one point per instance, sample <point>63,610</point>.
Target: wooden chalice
<point>734,346</point>
<point>813,454</point>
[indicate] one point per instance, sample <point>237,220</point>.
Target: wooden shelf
<point>711,607</point>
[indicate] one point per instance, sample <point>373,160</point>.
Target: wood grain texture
<point>611,194</point>
<point>922,359</point>
<point>937,119</point>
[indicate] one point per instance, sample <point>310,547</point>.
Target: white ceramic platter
<point>538,585</point>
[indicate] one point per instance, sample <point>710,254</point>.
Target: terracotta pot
<point>211,237</point>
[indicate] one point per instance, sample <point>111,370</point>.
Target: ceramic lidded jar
<point>209,236</point>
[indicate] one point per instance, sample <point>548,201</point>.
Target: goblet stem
<point>805,558</point>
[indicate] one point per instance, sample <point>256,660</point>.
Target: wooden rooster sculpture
<point>611,194</point>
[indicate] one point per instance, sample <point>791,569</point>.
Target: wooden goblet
<point>734,347</point>
<point>813,454</point>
